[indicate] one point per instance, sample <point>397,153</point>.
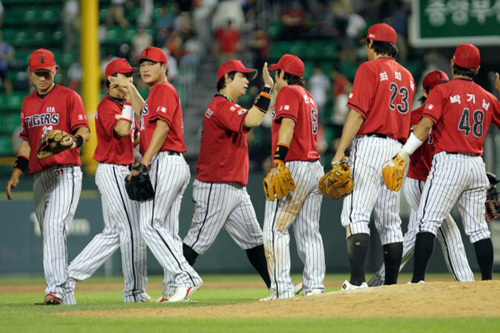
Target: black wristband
<point>79,141</point>
<point>21,163</point>
<point>264,100</point>
<point>281,152</point>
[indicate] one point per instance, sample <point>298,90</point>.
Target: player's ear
<point>477,69</point>
<point>227,78</point>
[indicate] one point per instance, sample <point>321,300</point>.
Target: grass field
<point>99,298</point>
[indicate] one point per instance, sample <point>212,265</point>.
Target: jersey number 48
<point>477,122</point>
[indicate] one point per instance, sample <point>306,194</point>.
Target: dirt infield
<point>432,299</point>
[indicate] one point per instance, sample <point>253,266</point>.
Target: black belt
<point>383,136</point>
<point>174,153</point>
<point>468,154</point>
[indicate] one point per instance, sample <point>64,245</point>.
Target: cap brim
<point>140,60</point>
<point>274,67</point>
<point>250,73</point>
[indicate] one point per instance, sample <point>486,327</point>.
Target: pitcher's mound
<point>432,299</point>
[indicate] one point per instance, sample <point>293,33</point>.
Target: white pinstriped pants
<point>222,205</point>
<point>303,209</point>
<point>160,220</point>
<point>368,156</point>
<point>57,191</point>
<point>121,230</point>
<point>448,236</point>
<point>455,178</point>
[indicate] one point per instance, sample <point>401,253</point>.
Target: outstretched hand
<point>268,80</point>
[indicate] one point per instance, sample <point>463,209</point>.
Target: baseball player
<point>295,129</point>
<point>378,120</point>
<point>57,179</point>
<point>448,234</point>
<point>161,146</point>
<point>115,125</point>
<point>219,191</point>
<point>459,113</point>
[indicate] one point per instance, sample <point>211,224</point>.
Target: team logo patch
<point>161,109</point>
<point>209,113</point>
<point>242,111</point>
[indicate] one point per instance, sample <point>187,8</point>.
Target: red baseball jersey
<point>224,148</point>
<point>296,103</point>
<point>164,104</point>
<point>383,93</point>
<point>112,148</point>
<point>62,108</point>
<point>462,112</point>
<point>421,159</point>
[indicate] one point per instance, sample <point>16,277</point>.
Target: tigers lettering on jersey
<point>41,120</point>
<point>383,85</point>
<point>462,112</point>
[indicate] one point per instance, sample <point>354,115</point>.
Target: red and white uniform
<point>382,93</point>
<point>62,109</point>
<point>170,176</point>
<point>58,179</point>
<point>421,159</point>
<point>302,207</point>
<point>163,104</point>
<point>224,148</point>
<point>462,112</point>
<point>448,235</point>
<point>121,215</point>
<point>219,191</point>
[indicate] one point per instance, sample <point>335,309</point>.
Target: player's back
<point>383,92</point>
<point>463,112</point>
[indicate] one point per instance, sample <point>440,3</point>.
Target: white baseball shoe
<point>183,293</point>
<point>346,286</point>
<point>297,288</point>
<point>315,292</point>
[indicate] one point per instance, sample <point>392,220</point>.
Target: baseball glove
<point>492,201</point>
<point>54,142</point>
<point>394,172</point>
<point>338,182</point>
<point>139,188</point>
<point>280,184</point>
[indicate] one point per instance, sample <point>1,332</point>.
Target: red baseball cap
<point>434,78</point>
<point>381,32</point>
<point>42,59</point>
<point>467,56</point>
<point>236,66</point>
<point>153,54</point>
<point>289,64</point>
<point>119,65</point>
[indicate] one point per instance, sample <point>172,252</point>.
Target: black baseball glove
<point>139,188</point>
<point>492,201</point>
